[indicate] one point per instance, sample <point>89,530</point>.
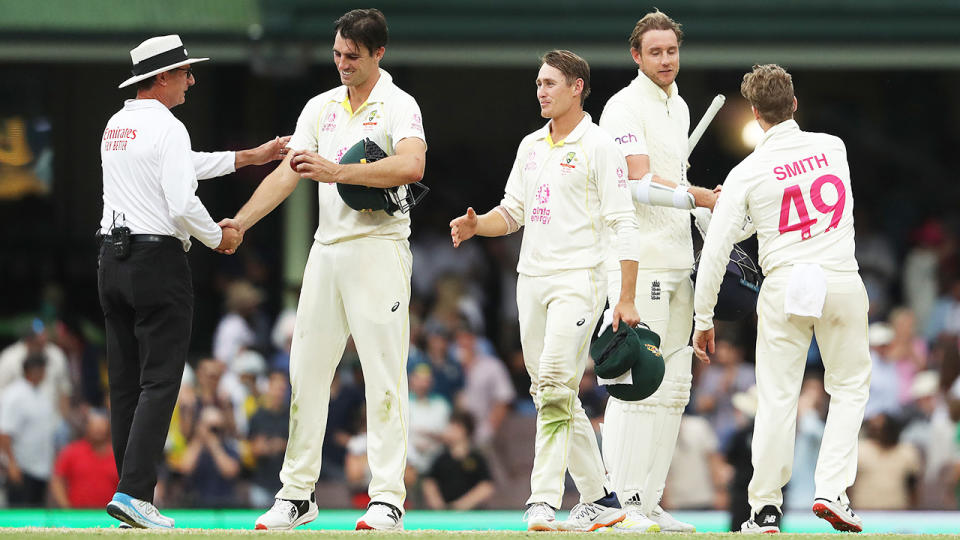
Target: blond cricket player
<point>357,278</point>
<point>796,188</point>
<point>567,184</point>
<point>650,121</point>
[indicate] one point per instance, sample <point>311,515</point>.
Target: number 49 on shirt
<point>794,196</point>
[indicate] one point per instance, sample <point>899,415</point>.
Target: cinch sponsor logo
<point>624,139</point>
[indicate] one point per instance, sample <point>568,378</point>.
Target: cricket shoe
<point>285,514</point>
<point>381,516</point>
<point>766,521</point>
<point>585,517</point>
<point>668,523</point>
<point>839,515</point>
<point>137,513</point>
<point>635,521</point>
<point>540,517</point>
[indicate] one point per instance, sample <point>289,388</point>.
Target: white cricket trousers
<point>557,315</point>
<point>782,344</point>
<point>359,287</point>
<point>640,437</point>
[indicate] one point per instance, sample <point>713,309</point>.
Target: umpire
<point>150,211</point>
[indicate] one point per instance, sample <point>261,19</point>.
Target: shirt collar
<point>136,104</point>
<point>574,136</point>
<point>377,95</point>
<point>647,87</point>
<point>782,127</point>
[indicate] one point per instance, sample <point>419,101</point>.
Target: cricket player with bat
<point>650,121</point>
<point>795,187</point>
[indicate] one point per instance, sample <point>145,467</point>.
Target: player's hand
<point>626,312</point>
<point>232,237</point>
<point>311,165</point>
<point>704,197</point>
<point>703,342</point>
<point>266,152</point>
<point>464,227</point>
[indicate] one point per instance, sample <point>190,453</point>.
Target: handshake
<point>232,236</point>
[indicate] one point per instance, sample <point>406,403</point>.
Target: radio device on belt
<point>120,238</point>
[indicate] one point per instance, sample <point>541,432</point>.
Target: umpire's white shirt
<point>565,193</point>
<point>645,120</point>
<point>795,186</point>
<point>329,127</point>
<point>150,175</point>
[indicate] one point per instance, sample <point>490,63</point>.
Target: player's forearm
<point>492,224</point>
<point>396,170</point>
<point>628,281</point>
<point>274,189</point>
<point>242,158</point>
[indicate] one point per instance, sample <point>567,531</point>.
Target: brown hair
<point>367,27</point>
<point>572,66</point>
<point>769,88</point>
<point>655,20</point>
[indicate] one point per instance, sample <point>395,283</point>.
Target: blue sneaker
<point>136,513</point>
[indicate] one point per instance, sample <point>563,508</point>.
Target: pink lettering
<point>793,171</point>
<point>779,172</point>
<point>821,160</point>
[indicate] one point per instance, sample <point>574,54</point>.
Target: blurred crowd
<point>472,422</point>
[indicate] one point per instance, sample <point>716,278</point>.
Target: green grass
<point>61,534</point>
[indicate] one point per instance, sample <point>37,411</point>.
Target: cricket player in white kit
<point>357,278</point>
<point>796,188</point>
<point>650,121</point>
<point>568,182</point>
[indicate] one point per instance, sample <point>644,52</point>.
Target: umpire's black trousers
<point>147,302</point>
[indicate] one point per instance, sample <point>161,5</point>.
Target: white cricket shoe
<point>669,523</point>
<point>839,515</point>
<point>137,513</point>
<point>766,521</point>
<point>540,517</point>
<point>635,521</point>
<point>586,517</point>
<point>381,516</point>
<point>286,514</point>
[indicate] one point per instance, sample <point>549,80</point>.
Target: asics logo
<point>395,306</point>
<point>581,321</point>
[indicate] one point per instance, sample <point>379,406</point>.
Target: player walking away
<point>568,182</point>
<point>650,122</point>
<point>357,278</point>
<point>796,188</point>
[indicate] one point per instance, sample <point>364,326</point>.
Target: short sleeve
<point>512,200</point>
<point>625,126</point>
<point>9,419</point>
<point>305,135</point>
<point>406,121</point>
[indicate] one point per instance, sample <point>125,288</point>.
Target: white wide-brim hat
<point>156,55</point>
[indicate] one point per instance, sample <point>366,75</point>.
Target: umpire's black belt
<point>145,239</point>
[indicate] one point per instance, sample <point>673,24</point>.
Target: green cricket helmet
<point>372,199</point>
<point>629,349</point>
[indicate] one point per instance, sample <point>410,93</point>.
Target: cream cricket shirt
<point>796,188</point>
<point>329,127</point>
<point>150,175</point>
<point>565,193</point>
<point>644,120</point>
